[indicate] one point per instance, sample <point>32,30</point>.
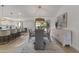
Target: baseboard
<point>75,48</point>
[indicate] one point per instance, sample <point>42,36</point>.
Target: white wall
<point>72,22</point>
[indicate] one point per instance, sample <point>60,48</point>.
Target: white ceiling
<point>29,11</point>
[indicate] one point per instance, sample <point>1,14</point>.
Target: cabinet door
<point>67,37</point>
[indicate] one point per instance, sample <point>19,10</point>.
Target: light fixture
<point>39,7</point>
<point>11,13</point>
<point>19,24</point>
<point>2,5</point>
<point>19,15</point>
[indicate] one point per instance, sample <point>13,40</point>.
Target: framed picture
<point>61,21</point>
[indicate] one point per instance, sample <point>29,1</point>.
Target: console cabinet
<point>63,36</point>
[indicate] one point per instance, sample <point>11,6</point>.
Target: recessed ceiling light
<point>39,7</point>
<point>2,5</point>
<point>11,13</point>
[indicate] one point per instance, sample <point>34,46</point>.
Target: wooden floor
<point>23,44</point>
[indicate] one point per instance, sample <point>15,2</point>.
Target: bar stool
<point>1,39</point>
<point>13,34</point>
<point>4,36</point>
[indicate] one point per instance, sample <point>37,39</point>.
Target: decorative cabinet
<point>63,36</point>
